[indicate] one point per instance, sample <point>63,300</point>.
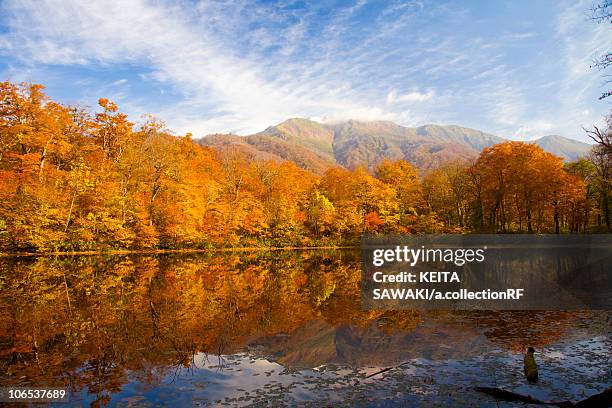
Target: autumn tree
<point>523,186</point>
<point>72,179</point>
<point>447,192</point>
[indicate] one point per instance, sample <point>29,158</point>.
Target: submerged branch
<point>603,399</point>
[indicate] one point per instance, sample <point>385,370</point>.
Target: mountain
<point>473,138</point>
<point>367,143</point>
<point>569,149</point>
<point>318,343</point>
<point>309,134</point>
<point>268,147</point>
<point>317,147</point>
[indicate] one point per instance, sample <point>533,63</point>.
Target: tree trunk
<point>529,225</point>
<point>70,210</point>
<point>606,209</point>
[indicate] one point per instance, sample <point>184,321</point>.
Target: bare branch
<point>602,13</point>
<point>603,62</point>
<point>601,136</point>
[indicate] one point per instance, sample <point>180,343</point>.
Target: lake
<point>271,328</point>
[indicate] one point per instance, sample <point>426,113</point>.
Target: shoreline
<point>169,251</point>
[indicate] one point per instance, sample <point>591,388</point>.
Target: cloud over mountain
<point>209,67</point>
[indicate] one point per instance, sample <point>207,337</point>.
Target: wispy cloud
<point>538,127</point>
<point>522,36</point>
<point>239,67</point>
<point>410,97</point>
<point>120,82</point>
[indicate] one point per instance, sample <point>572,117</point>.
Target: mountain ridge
<point>569,149</point>
<point>318,146</point>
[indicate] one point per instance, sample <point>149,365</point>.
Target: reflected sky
<point>285,327</point>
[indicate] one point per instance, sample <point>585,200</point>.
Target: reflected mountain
<point>105,325</point>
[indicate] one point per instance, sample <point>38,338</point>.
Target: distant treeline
<point>75,180</point>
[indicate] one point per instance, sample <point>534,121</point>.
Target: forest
<point>76,180</point>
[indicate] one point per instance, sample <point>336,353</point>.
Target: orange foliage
<point>71,180</point>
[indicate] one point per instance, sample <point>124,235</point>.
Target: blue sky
<point>518,69</point>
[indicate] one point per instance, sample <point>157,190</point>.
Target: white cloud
<point>522,36</point>
<point>364,114</point>
<point>234,92</point>
<point>240,67</point>
<point>533,130</point>
<point>410,97</point>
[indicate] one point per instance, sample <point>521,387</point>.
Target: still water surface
<point>271,328</point>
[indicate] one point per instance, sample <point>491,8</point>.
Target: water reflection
<point>285,325</point>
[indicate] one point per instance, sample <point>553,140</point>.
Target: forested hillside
<point>315,146</point>
<point>77,180</point>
